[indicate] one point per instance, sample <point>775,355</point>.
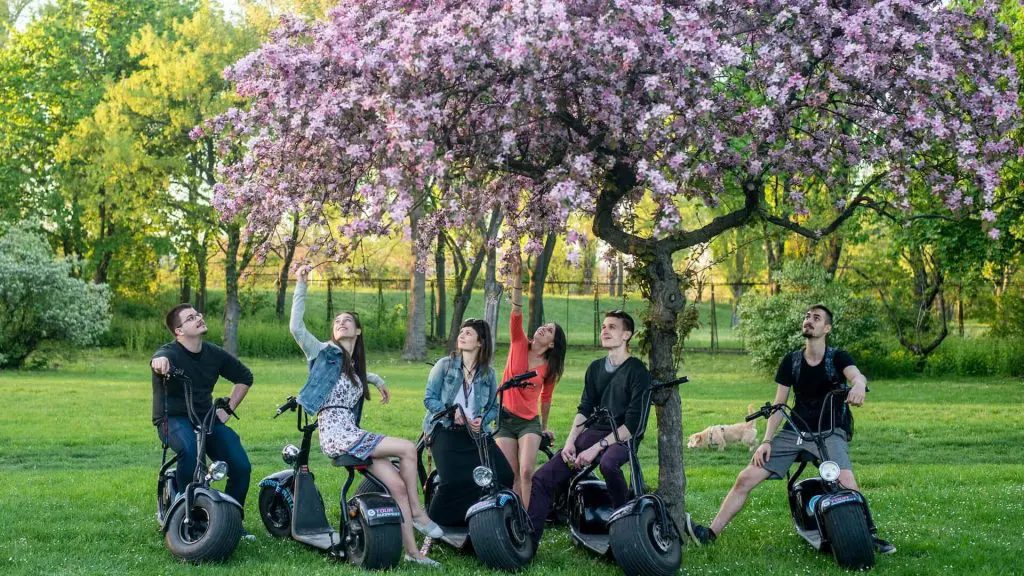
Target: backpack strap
<point>830,366</point>
<point>796,358</point>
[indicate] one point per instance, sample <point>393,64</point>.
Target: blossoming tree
<point>553,108</point>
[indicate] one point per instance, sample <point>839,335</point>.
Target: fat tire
<point>632,543</point>
<point>849,537</point>
<point>500,542</point>
<point>374,547</point>
<point>276,511</point>
<point>217,543</point>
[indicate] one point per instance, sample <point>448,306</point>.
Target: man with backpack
<point>810,373</point>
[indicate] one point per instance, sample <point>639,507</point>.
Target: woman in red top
<point>521,427</point>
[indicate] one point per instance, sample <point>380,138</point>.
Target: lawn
<point>940,461</point>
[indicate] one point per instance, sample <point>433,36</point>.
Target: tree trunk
<point>737,293</point>
<point>106,255</point>
<point>540,276</point>
<point>416,321</point>
<point>232,308</point>
<point>613,270</point>
<point>835,251</point>
<point>464,290</point>
<point>288,256</point>
<point>588,269</point>
<point>185,286</point>
<point>774,252</point>
<point>203,266</point>
<point>492,296</point>
<point>621,277</point>
<point>442,292</point>
<point>666,299</point>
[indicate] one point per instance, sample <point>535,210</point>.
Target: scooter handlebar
<point>289,405</point>
<point>518,381</point>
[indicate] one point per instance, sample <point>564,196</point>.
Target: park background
<point>106,216</point>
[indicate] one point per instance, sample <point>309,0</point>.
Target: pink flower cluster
<point>542,107</point>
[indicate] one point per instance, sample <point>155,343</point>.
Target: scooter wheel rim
<point>200,517</point>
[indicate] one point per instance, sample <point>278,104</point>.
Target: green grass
<point>939,459</point>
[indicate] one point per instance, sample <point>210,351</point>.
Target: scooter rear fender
<point>377,508</point>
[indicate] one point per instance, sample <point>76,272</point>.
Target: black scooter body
<point>291,506</point>
<point>201,523</point>
<point>640,535</point>
<point>829,516</point>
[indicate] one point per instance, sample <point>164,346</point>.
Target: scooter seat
<point>344,461</point>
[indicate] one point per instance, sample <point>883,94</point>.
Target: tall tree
<point>586,106</point>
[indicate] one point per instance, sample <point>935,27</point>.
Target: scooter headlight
<point>483,476</point>
<point>829,471</point>
<point>218,470</point>
<point>290,453</point>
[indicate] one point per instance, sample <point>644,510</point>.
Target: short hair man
<point>616,382</point>
<point>204,364</point>
<point>777,453</point>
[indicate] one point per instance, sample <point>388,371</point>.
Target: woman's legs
<point>510,448</point>
<point>382,469</point>
<point>528,445</point>
<point>405,451</point>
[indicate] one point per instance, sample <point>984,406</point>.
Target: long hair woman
<point>338,385</point>
<point>465,378</point>
<point>522,425</point>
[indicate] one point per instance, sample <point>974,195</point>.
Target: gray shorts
<point>785,452</point>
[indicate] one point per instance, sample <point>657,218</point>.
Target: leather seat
<point>345,461</point>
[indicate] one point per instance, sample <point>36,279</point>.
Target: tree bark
<point>442,292</point>
<point>492,296</point>
<point>415,348</point>
<point>202,267</point>
<point>464,290</point>
<point>232,308</point>
<point>287,257</point>
<point>663,291</point>
<point>539,277</point>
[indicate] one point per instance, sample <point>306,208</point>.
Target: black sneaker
<point>700,535</point>
<point>246,535</point>
<point>883,546</point>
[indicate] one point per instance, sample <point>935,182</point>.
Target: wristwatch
<point>603,443</point>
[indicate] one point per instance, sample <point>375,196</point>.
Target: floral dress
<point>339,433</point>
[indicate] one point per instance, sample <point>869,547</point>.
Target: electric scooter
<point>201,523</point>
<point>640,535</point>
<point>369,533</point>
<point>497,527</point>
<point>827,515</point>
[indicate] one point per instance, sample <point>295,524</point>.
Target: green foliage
<point>1009,318</point>
<point>39,300</point>
<point>771,325</point>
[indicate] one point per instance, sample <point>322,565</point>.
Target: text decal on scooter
<point>386,512</point>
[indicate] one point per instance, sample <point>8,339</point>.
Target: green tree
<point>39,300</point>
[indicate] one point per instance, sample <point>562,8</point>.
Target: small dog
<point>721,435</point>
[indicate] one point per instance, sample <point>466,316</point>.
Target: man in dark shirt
<point>203,363</point>
<point>777,453</point>
<point>616,382</point>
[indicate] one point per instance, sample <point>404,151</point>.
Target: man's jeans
<point>221,444</point>
<point>555,472</point>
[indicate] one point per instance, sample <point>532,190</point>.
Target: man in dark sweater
<point>203,363</point>
<point>616,382</point>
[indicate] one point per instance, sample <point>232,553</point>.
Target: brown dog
<point>722,435</point>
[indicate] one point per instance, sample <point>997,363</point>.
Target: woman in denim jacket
<point>465,378</point>
<point>335,391</point>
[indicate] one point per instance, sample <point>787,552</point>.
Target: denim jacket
<point>443,386</point>
<point>326,361</point>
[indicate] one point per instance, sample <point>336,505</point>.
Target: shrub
<point>39,300</point>
<point>771,325</point>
